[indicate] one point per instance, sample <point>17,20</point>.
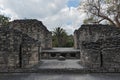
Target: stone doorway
<point>20,56</point>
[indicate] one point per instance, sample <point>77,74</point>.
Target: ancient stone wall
<point>76,39</point>
<point>17,49</point>
<point>34,29</point>
<point>48,41</point>
<point>29,51</point>
<point>99,46</point>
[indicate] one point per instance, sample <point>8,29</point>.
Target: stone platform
<point>57,64</point>
<point>68,66</point>
<point>62,67</point>
<point>41,76</point>
<point>61,49</point>
<point>54,53</point>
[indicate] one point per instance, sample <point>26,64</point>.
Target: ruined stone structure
<point>21,42</point>
<point>99,46</point>
<point>17,50</point>
<point>55,53</point>
<point>76,39</point>
<point>34,29</point>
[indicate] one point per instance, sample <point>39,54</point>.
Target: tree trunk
<point>117,21</point>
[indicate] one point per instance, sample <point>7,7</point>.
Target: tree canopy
<point>99,10</point>
<point>4,20</point>
<point>61,39</point>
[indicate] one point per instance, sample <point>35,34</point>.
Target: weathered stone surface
<point>55,53</point>
<point>17,49</point>
<point>99,46</point>
<point>76,39</point>
<point>20,43</point>
<point>34,29</point>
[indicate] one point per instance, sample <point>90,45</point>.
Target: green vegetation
<point>101,10</point>
<point>61,38</point>
<point>4,20</point>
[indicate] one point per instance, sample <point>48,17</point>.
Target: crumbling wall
<point>17,50</point>
<point>48,41</point>
<point>76,39</point>
<point>99,46</point>
<point>9,47</point>
<point>34,29</point>
<point>29,51</point>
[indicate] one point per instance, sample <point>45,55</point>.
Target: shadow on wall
<point>99,45</point>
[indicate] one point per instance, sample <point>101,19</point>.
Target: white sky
<point>53,13</point>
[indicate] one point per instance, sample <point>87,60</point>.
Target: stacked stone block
<point>99,46</point>
<point>34,29</point>
<point>17,50</point>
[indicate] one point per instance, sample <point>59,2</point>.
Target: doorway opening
<point>20,56</point>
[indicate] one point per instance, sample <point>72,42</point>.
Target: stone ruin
<point>99,46</point>
<point>17,49</point>
<point>34,29</point>
<point>19,43</point>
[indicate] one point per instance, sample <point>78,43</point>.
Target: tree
<point>88,20</point>
<point>100,10</point>
<point>4,20</point>
<point>59,37</point>
<point>70,41</point>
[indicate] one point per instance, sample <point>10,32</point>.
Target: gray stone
<point>99,46</point>
<point>34,29</point>
<point>16,49</point>
<point>55,53</point>
<point>38,76</point>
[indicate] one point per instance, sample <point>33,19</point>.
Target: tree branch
<point>99,21</point>
<point>117,19</point>
<point>104,17</point>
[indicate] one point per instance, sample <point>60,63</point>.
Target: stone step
<point>60,71</point>
<point>45,71</point>
<point>54,53</point>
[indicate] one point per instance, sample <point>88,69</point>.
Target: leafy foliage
<point>4,20</point>
<point>61,39</point>
<point>100,10</point>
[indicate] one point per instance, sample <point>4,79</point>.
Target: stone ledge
<point>70,70</point>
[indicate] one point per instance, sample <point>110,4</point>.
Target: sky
<point>53,13</point>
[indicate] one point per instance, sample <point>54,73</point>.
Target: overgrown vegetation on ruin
<point>61,38</point>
